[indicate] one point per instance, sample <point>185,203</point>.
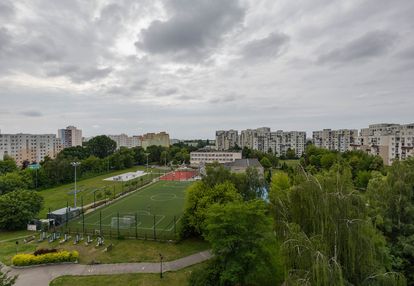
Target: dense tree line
<point>337,219</point>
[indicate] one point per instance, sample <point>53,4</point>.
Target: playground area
<point>180,175</point>
<point>151,213</point>
<point>126,176</point>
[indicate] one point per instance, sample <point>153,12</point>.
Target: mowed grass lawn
<point>178,278</point>
<point>128,250</point>
<point>160,205</point>
<point>58,197</point>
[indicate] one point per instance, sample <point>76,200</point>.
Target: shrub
<point>53,257</point>
<point>44,251</point>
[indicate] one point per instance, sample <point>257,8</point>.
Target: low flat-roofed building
<point>210,156</point>
<point>241,165</point>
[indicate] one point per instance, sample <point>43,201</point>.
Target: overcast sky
<point>190,67</point>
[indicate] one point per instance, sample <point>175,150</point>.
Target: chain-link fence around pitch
<point>138,225</point>
<point>150,213</point>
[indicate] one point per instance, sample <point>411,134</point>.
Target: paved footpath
<point>43,275</point>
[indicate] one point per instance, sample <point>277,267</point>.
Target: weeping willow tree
<point>328,237</point>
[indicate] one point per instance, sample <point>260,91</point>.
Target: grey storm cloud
<point>31,113</point>
<point>79,74</point>
<point>194,29</point>
<point>6,9</point>
<point>201,65</point>
<point>5,39</point>
<point>372,44</point>
<point>267,48</point>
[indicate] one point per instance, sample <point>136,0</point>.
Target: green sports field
<point>152,212</point>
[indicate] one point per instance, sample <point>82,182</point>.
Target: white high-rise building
<point>29,147</point>
<point>389,141</point>
<point>226,139</point>
<point>335,140</point>
<point>264,140</point>
<point>70,136</point>
<point>282,141</point>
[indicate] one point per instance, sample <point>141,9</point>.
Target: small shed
<point>63,215</point>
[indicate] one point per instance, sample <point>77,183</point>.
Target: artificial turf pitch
<point>158,206</point>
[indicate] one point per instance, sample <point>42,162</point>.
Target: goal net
<point>124,222</point>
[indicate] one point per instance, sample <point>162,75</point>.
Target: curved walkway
<point>43,275</point>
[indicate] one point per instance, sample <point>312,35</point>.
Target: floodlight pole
<point>75,164</point>
<point>147,154</point>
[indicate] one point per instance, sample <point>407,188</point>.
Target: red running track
<point>179,176</point>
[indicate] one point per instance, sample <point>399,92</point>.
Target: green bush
<point>31,259</point>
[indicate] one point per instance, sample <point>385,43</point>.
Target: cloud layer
<point>193,66</point>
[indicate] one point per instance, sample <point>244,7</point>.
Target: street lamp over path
<point>75,164</point>
<point>161,258</point>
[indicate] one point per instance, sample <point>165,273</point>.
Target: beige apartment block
<point>70,137</point>
<point>124,140</point>
<point>157,139</point>
<point>29,147</point>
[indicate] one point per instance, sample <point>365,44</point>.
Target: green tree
<point>101,146</point>
<point>291,154</point>
<point>391,201</point>
<point>265,162</point>
<point>17,208</point>
<point>7,165</point>
<point>328,236</point>
<point>242,239</point>
<point>327,160</point>
<point>77,152</point>
<point>13,181</point>
<point>199,197</point>
<point>216,174</point>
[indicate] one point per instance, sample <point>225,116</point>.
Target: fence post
<point>100,222</point>
<point>175,229</point>
<point>155,234</point>
<point>67,214</point>
<point>83,217</point>
<point>117,222</point>
<point>136,226</point>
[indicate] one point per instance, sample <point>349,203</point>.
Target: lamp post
<point>147,154</point>
<point>75,164</point>
<point>161,258</point>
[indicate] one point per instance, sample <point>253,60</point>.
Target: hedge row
<point>31,259</point>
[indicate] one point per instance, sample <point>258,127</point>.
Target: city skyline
<point>193,67</point>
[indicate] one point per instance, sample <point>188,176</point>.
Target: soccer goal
<point>124,222</point>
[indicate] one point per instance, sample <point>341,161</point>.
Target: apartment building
<point>264,140</point>
<point>124,140</point>
<point>389,141</point>
<point>157,139</point>
<point>70,137</point>
<point>210,156</point>
<point>335,140</point>
<point>281,141</point>
<point>256,139</point>
<point>226,139</point>
<point>29,147</point>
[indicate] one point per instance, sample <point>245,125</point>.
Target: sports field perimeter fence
<point>126,226</point>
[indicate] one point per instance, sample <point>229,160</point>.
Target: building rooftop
<point>244,163</point>
<point>62,211</point>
